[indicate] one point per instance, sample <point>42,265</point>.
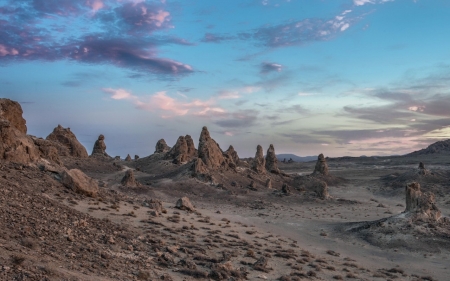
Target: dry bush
<point>17,259</point>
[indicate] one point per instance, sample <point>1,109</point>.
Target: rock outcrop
<point>12,111</point>
<point>272,161</point>
<point>421,205</point>
<point>209,151</point>
<point>15,145</point>
<point>69,141</point>
<point>129,180</point>
<point>100,147</point>
<point>161,146</point>
<point>321,166</point>
<point>259,163</point>
<point>128,158</point>
<point>79,182</point>
<point>185,204</point>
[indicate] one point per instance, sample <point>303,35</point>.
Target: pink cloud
<point>118,94</point>
<point>160,17</point>
<point>96,5</point>
<point>7,51</point>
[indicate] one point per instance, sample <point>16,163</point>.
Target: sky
<point>339,77</point>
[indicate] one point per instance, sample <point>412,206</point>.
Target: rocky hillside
<point>437,147</point>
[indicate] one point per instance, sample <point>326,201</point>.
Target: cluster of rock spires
<point>262,165</point>
<point>182,152</point>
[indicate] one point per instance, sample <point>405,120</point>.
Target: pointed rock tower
<point>259,162</point>
<point>209,151</point>
<point>272,161</point>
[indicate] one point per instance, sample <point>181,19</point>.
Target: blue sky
<point>339,77</point>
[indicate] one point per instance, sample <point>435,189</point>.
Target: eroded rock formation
<point>321,166</point>
<point>209,151</point>
<point>422,205</point>
<point>15,145</point>
<point>161,146</point>
<point>129,180</point>
<point>422,170</point>
<point>320,188</point>
<point>100,147</point>
<point>128,158</point>
<point>68,140</point>
<point>259,163</point>
<point>179,152</point>
<point>269,183</point>
<point>231,153</point>
<point>12,111</point>
<point>272,161</point>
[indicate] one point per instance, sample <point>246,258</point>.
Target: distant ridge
<point>437,147</point>
<point>296,158</point>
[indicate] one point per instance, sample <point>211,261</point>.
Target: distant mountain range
<point>437,147</point>
<point>296,158</point>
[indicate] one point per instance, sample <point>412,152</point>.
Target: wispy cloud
<point>121,33</point>
<point>267,67</point>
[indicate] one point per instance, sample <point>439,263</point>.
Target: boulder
<point>184,204</point>
<point>77,181</point>
<point>272,161</point>
<point>209,151</point>
<point>156,205</point>
<point>68,140</point>
<point>100,147</point>
<point>421,205</point>
<point>128,179</point>
<point>128,158</point>
<point>161,146</point>
<point>285,189</point>
<point>259,162</point>
<point>321,166</point>
<point>136,157</point>
<point>12,111</point>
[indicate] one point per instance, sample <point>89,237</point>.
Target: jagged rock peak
<point>232,154</point>
<point>191,150</point>
<point>179,152</point>
<point>272,161</point>
<point>128,158</point>
<point>420,204</point>
<point>161,146</point>
<point>321,165</point>
<point>99,147</point>
<point>259,162</point>
<point>209,151</point>
<point>129,180</point>
<point>12,111</point>
<point>68,139</point>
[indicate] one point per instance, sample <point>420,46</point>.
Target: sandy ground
<point>300,237</point>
